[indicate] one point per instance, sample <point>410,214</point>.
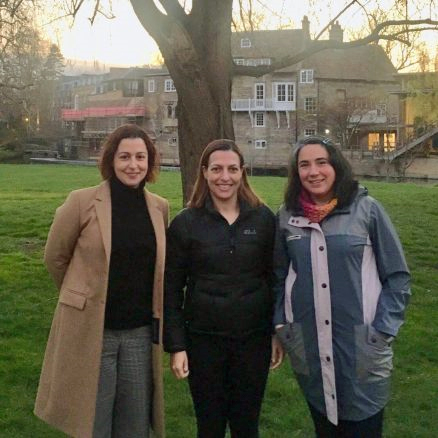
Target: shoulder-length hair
<point>345,186</point>
<point>111,144</point>
<point>201,190</point>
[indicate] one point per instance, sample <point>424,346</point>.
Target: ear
<point>204,172</point>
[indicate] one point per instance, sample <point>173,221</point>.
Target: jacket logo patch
<point>293,237</point>
<point>250,231</point>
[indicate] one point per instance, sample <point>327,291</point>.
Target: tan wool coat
<point>77,255</point>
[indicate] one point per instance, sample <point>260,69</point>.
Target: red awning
<point>76,115</point>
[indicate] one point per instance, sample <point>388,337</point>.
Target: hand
<point>277,353</point>
<point>179,364</point>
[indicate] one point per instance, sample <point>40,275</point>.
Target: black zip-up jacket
<point>225,271</point>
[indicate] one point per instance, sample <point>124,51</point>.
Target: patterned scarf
<point>315,212</point>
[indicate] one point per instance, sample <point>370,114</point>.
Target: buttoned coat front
<point>77,255</point>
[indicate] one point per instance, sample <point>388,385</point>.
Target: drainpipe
<point>296,109</point>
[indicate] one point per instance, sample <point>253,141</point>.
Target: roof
<point>368,62</point>
<point>267,43</point>
<point>130,72</point>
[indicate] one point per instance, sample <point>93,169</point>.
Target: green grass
<point>29,195</point>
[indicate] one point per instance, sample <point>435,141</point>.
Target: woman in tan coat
<point>102,371</point>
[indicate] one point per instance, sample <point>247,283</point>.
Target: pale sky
<point>123,41</point>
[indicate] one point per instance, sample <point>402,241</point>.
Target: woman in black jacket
<point>219,330</point>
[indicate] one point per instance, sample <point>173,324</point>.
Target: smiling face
<point>316,173</point>
<point>223,175</point>
<point>131,161</point>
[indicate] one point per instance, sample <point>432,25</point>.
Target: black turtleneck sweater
<point>132,264</point>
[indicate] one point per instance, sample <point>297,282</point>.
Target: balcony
<point>368,118</point>
<point>261,105</point>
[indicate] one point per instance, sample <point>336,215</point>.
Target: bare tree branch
<point>174,9</point>
<point>334,19</point>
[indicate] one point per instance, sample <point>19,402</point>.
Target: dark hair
<point>201,190</point>
<point>345,186</point>
<point>111,144</point>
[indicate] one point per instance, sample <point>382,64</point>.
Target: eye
<point>141,157</point>
<point>322,162</point>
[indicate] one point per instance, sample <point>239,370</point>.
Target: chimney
<point>305,26</point>
<point>336,33</point>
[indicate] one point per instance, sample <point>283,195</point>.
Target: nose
<point>225,175</point>
<point>133,162</point>
<point>313,169</point>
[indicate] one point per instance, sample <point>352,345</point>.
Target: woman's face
<point>223,175</point>
<point>316,173</point>
<point>131,161</point>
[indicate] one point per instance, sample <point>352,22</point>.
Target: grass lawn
<point>29,195</point>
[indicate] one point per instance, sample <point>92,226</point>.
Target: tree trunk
<point>196,48</point>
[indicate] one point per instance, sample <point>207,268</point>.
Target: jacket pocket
<point>72,298</point>
<point>373,354</point>
<point>291,337</point>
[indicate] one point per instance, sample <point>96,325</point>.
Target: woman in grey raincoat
<point>342,285</point>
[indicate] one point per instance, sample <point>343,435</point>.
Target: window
<point>381,109</point>
<point>252,62</point>
<point>260,144</point>
<point>169,109</point>
<point>245,43</point>
<point>389,141</point>
<point>284,92</point>
<point>341,93</point>
<point>260,94</point>
<point>151,86</point>
<point>172,141</point>
<point>310,104</point>
<point>260,119</point>
<point>132,88</point>
<point>168,86</point>
<point>306,76</point>
<point>308,132</point>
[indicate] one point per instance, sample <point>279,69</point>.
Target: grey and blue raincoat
<point>342,286</point>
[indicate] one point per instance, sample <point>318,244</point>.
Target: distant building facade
<point>94,105</point>
<point>352,95</point>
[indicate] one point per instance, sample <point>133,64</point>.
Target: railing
<point>261,105</point>
<point>369,117</point>
<point>415,142</point>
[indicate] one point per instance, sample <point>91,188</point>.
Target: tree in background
<point>29,65</point>
<point>196,46</point>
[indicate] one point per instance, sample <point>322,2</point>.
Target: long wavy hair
<point>345,186</point>
<point>201,190</point>
<point>106,163</point>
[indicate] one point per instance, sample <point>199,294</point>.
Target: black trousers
<point>371,427</point>
<point>227,381</point>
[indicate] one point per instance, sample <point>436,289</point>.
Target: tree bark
<point>196,48</point>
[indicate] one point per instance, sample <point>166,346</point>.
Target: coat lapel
<point>103,212</point>
<point>157,219</point>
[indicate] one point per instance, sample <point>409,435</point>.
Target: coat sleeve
<point>175,281</point>
<point>62,238</point>
<point>393,273</point>
<point>281,268</point>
